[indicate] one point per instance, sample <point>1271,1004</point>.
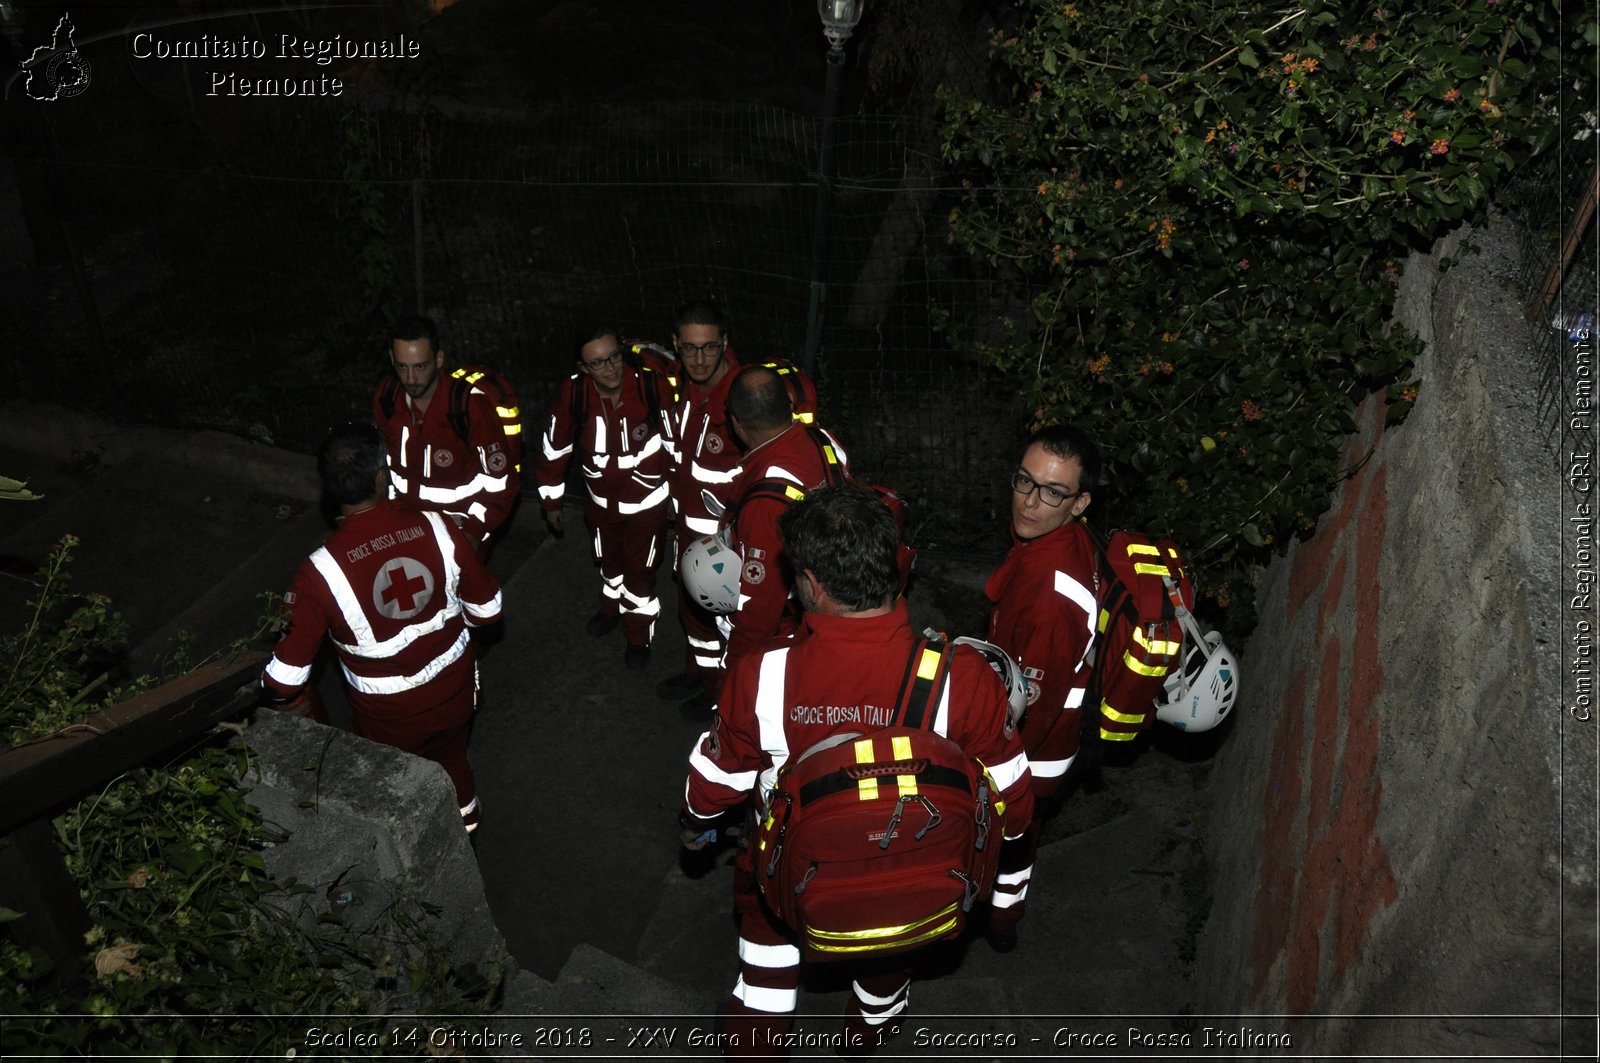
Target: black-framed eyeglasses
<point>714,347</point>
<point>605,363</point>
<point>1049,494</point>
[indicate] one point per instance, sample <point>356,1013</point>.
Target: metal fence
<point>241,275</point>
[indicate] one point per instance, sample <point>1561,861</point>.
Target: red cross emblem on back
<point>403,588</point>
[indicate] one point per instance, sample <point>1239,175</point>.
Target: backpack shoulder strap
<point>460,394</point>
<point>922,686</point>
<point>388,392</point>
<point>832,470</point>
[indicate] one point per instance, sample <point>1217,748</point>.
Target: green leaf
<point>1247,57</point>
<point>1048,61</point>
<point>7,914</point>
<point>1252,535</point>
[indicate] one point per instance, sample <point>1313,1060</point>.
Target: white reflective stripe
<point>704,475</point>
<point>1074,698</point>
<point>1006,773</point>
<point>354,616</point>
<point>781,473</point>
<point>397,482</point>
<point>552,492</point>
<point>878,1018</point>
<point>470,807</point>
<point>650,557</point>
<point>705,644</point>
<point>708,662</point>
<point>650,501</point>
<point>600,461</point>
<point>1051,769</point>
<point>646,607</point>
<point>427,460</point>
<point>769,716</point>
<point>708,770</point>
<point>599,436</point>
<point>482,482</point>
<point>489,608</point>
<point>551,453</point>
<point>287,675</point>
<point>405,437</point>
<point>651,447</point>
<point>941,719</point>
<point>396,684</point>
<point>700,525</point>
<point>872,1000</point>
<point>772,1001</point>
<point>1080,596</point>
<point>768,955</point>
<point>478,511</point>
<point>997,899</point>
<point>1014,878</point>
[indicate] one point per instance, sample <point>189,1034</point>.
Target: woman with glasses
<point>1044,614</point>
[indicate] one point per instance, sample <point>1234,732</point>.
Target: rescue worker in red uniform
<point>1045,609</point>
<point>851,652</point>
<point>397,591</point>
<point>472,481</point>
<point>618,417</point>
<point>778,450</point>
<point>708,457</point>
<point>708,460</point>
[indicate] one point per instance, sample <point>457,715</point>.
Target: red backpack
<point>1139,637</point>
<point>879,843</point>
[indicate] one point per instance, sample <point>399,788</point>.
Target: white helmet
<point>1006,668</point>
<point>1200,694</point>
<point>710,569</point>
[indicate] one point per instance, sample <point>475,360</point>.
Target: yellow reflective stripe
<point>900,746</point>
<point>1000,807</point>
<point>1118,736</point>
<point>866,789</point>
<point>1119,717</point>
<point>886,931</point>
<point>1141,667</point>
<point>928,666</point>
<point>1144,568</point>
<point>805,418</point>
<point>794,493</point>
<point>1105,618</point>
<point>511,429</point>
<point>1155,645</point>
<point>508,413</point>
<point>1142,548</point>
<point>827,451</point>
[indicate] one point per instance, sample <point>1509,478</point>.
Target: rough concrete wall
<point>1387,842</point>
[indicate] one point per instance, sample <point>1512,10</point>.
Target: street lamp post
<point>839,19</point>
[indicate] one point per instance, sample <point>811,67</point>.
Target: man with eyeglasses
<point>617,414</point>
<point>1044,612</point>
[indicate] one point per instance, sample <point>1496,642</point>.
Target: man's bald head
<point>760,401</point>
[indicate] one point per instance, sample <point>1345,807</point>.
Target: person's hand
<point>553,520</point>
<point>694,839</point>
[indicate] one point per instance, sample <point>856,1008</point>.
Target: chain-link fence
<point>247,286</point>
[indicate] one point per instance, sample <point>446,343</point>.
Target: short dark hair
<point>416,327</point>
<point>849,540</point>
<point>599,332</point>
<point>1066,443</point>
<point>349,462</point>
<point>759,399</point>
<point>700,312</point>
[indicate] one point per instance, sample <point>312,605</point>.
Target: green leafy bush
<point>194,949</point>
<point>1205,205</point>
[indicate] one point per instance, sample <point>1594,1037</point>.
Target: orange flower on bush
<point>1452,96</point>
<point>1251,411</point>
<point>1397,135</point>
<point>1440,146</point>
